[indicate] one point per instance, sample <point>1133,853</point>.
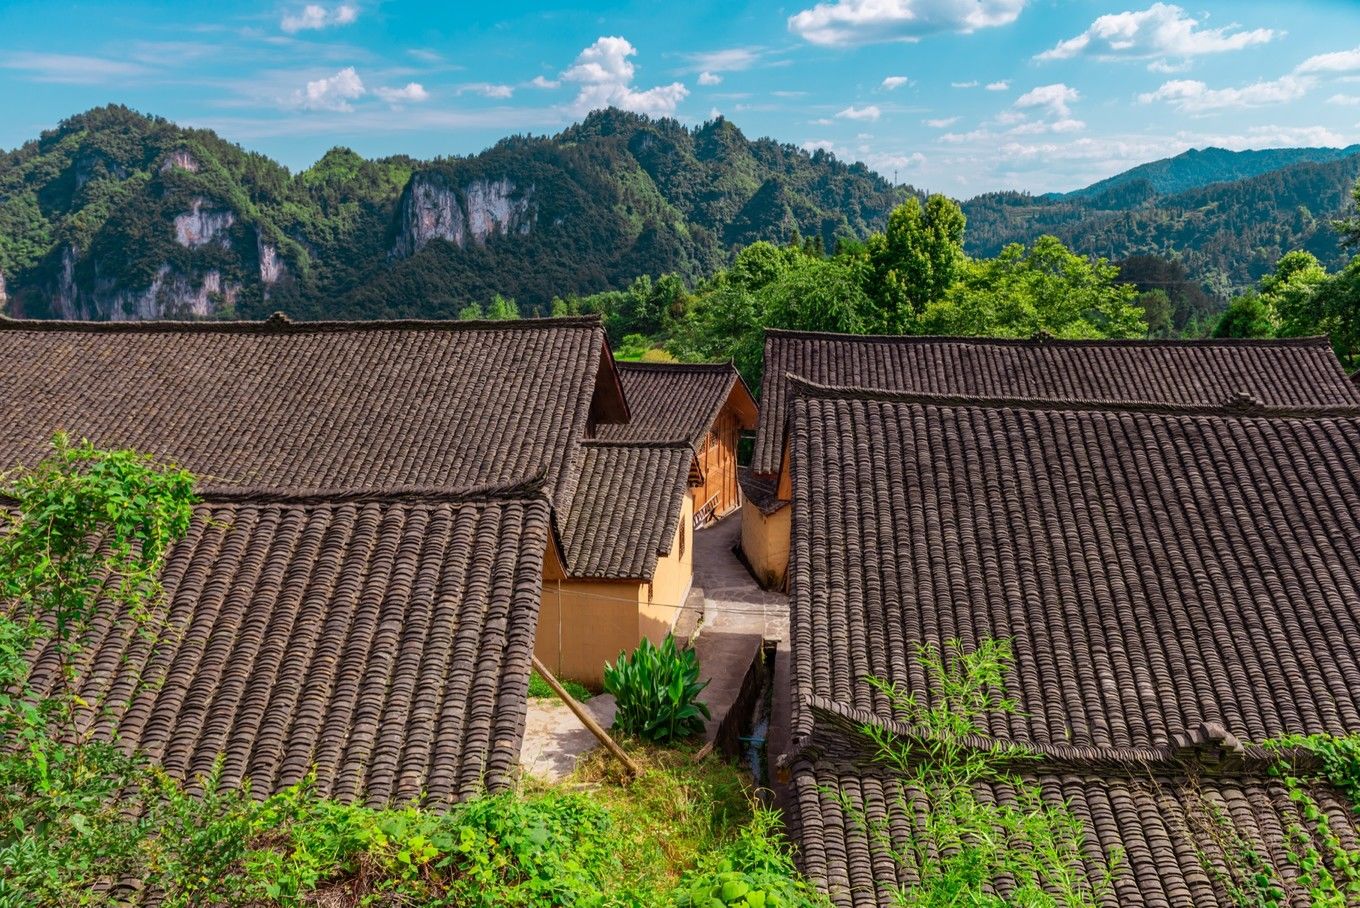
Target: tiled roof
<point>312,405</point>
<point>672,400</point>
<point>1301,371</point>
<point>383,639</point>
<point>626,508</point>
<point>1155,567</point>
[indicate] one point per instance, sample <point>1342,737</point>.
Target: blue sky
<point>958,96</point>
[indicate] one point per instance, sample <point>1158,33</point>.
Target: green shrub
<point>657,689</point>
<point>753,871</point>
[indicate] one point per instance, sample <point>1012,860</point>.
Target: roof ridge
<point>1240,404</point>
<point>278,323</point>
<point>661,443</point>
<point>676,367</point>
<point>837,729</point>
<point>1043,339</point>
<point>531,487</point>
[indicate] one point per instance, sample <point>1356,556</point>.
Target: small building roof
<point>679,400</point>
<point>1296,371</point>
<point>383,640</point>
<point>316,405</point>
<point>626,508</point>
<point>1156,567</point>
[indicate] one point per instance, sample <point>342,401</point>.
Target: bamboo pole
<point>587,719</point>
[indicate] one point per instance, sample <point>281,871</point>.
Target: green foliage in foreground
<point>657,692</point>
<point>965,842</point>
<point>82,824</point>
<point>539,689</point>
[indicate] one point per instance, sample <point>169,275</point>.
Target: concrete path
<point>554,739</point>
<point>738,617</point>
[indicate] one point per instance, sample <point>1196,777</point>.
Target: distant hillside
<point>1227,234</point>
<point>118,215</point>
<point>1200,167</point>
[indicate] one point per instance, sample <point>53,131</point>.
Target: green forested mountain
<point>1227,234</point>
<point>118,215</point>
<point>1200,167</point>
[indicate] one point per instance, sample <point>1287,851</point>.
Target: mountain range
<point>118,215</point>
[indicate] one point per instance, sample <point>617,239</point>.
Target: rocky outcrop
<point>431,210</point>
<point>271,264</point>
<point>171,295</point>
<point>179,159</point>
<point>92,163</point>
<point>201,225</point>
<point>4,298</point>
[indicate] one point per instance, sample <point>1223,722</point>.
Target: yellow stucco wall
<point>671,582</point>
<point>765,542</point>
<point>584,623</point>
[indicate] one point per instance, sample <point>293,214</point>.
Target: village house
<point>1177,581</point>
<point>383,503</point>
<point>645,486</point>
<point>1299,371</point>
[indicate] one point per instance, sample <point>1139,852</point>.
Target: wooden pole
<point>587,719</point>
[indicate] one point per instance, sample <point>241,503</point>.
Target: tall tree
<point>915,261</point>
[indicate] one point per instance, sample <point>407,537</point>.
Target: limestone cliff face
<point>272,266</point>
<point>473,213</point>
<point>201,224</point>
<point>170,295</point>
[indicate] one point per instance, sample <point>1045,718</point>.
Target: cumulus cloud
<point>1193,96</point>
<point>869,112</point>
<point>540,82</point>
<point>1054,98</point>
<point>331,93</point>
<point>892,82</point>
<point>1338,62</point>
<point>708,78</point>
<point>972,84</point>
<point>316,16</point>
<point>410,93</point>
<point>1161,30</point>
<point>1344,100</point>
<point>847,22</point>
<point>486,89</point>
<point>605,76</point>
<point>1000,85</point>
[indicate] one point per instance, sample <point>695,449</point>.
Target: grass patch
<point>539,689</point>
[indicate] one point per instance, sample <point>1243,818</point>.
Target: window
<point>682,539</point>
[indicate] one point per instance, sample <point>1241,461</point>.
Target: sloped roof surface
<point>626,508</point>
<point>1156,568</point>
<point>671,400</point>
<point>1301,371</point>
<point>311,405</point>
<point>384,640</point>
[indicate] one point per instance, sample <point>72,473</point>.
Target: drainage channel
<point>757,726</point>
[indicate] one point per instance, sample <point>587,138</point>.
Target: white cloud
<point>868,112</point>
<point>1193,96</point>
<point>972,84</point>
<point>843,22</point>
<point>605,76</point>
<point>1053,98</point>
<point>708,78</point>
<point>1161,30</point>
<point>1344,100</point>
<point>70,69</point>
<point>822,121</point>
<point>1338,62</point>
<point>412,92</point>
<point>486,89</point>
<point>1001,85</point>
<point>331,93</point>
<point>943,123</point>
<point>729,59</point>
<point>540,82</point>
<point>893,82</point>
<point>819,145</point>
<point>314,16</point>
